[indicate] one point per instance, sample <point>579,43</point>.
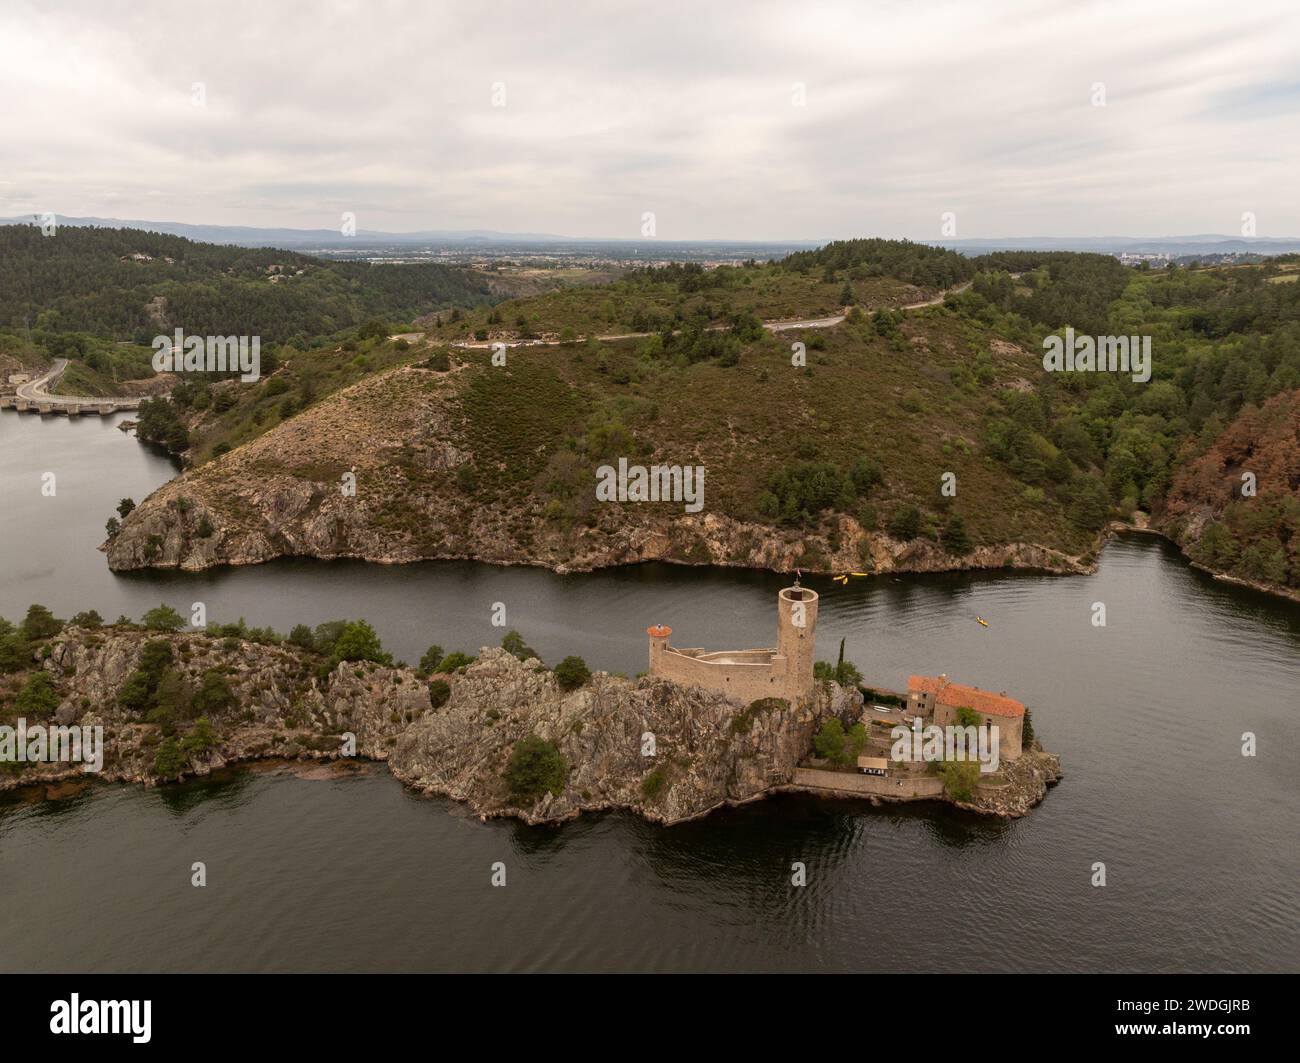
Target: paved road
<point>771,326</point>
<point>37,392</point>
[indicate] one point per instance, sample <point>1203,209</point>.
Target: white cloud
<point>684,109</point>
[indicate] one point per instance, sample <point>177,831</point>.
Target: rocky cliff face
<point>281,706</point>
<point>668,752</point>
<point>707,751</point>
<point>371,474</point>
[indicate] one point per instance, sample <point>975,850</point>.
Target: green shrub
<point>201,736</point>
<point>431,659</point>
<point>163,618</point>
<point>571,673</point>
<point>535,767</point>
<point>39,623</point>
<point>905,523</point>
<point>653,784</point>
<point>169,761</point>
<point>359,642</point>
<point>37,698</point>
<point>453,661</point>
<point>214,695</point>
<point>514,644</point>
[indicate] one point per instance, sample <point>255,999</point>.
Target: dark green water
<point>1199,842</point>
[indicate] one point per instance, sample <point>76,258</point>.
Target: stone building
<point>784,671</point>
<point>938,697</point>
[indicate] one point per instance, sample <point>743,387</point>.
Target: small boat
<point>984,622</point>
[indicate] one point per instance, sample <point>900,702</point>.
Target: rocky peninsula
<point>272,701</point>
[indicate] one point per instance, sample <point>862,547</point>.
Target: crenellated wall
<point>785,671</point>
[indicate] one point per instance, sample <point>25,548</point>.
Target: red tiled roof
<point>659,631</point>
<point>958,695</point>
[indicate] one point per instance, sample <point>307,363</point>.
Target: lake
<point>356,873</point>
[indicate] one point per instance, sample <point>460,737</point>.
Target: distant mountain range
<point>1202,244</point>
<point>252,236</point>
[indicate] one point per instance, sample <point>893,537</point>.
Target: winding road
<point>771,326</point>
<point>34,396</point>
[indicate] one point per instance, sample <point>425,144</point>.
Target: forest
<point>130,285</point>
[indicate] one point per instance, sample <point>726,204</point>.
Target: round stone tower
<point>658,641</point>
<point>796,639</point>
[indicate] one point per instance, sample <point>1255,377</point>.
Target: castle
<point>785,671</point>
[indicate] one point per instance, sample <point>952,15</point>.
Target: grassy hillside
<point>669,297</point>
<point>837,461</point>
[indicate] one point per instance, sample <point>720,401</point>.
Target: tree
<point>214,695</point>
<point>168,762</point>
<point>327,634</point>
<point>173,700</point>
<point>955,539</point>
<point>845,672</point>
<point>37,698</point>
<point>163,618</point>
<point>1090,507</point>
<point>905,523</point>
<point>15,653</point>
<point>454,661</point>
<point>201,736</point>
<point>865,474</point>
<point>124,507</point>
<point>829,741</point>
<point>571,673</point>
<point>39,623</point>
<point>535,767</point>
<point>439,692</point>
<point>300,635</point>
<point>112,527</point>
<point>137,693</point>
<point>90,618</point>
<point>514,644</point>
<point>959,777</point>
<point>431,659</point>
<point>359,642</point>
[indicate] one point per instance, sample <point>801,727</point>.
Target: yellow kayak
<point>982,621</point>
<point>843,580</point>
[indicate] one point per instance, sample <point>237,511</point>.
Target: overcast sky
<point>689,110</point>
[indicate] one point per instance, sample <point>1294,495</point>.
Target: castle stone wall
<point>748,675</point>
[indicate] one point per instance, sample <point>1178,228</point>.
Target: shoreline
<point>1006,558</point>
<point>313,766</point>
<point>283,704</point>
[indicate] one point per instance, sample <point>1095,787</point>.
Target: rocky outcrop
<point>1024,783</point>
<point>665,751</point>
<point>371,474</point>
